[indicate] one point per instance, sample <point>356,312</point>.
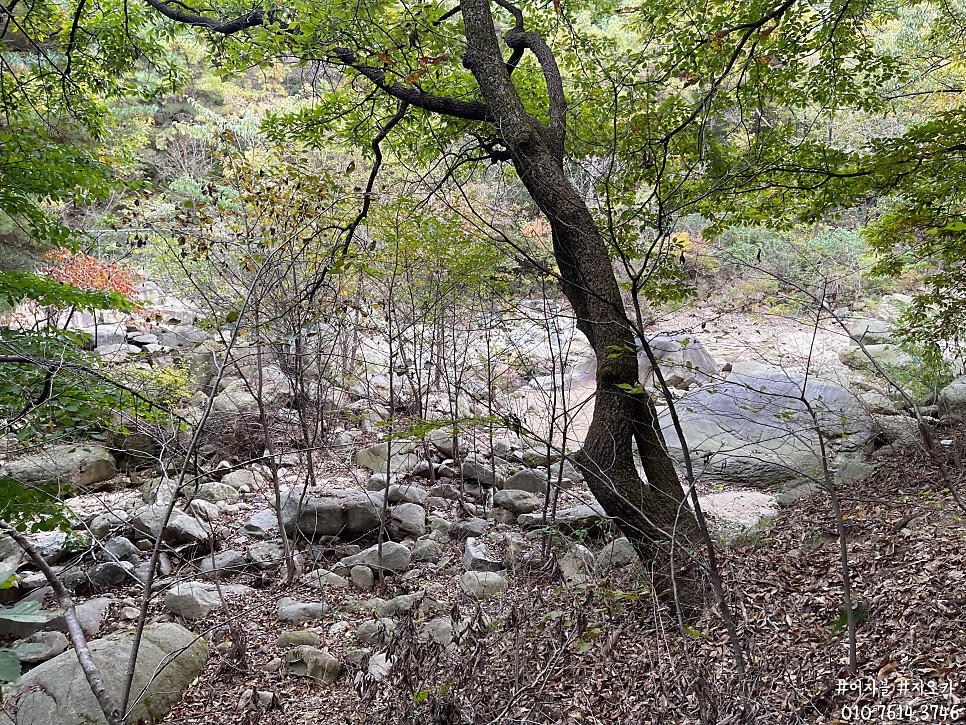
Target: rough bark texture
<point>648,512</point>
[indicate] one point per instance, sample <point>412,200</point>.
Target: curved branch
<point>252,19</point>
<point>551,74</point>
<point>350,230</point>
<point>467,110</point>
<point>87,664</point>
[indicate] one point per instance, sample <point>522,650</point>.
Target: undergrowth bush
<point>61,391</point>
<point>796,259</point>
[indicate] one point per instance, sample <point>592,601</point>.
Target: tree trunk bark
<point>652,512</point>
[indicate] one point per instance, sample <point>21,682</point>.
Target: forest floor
<point>604,651</point>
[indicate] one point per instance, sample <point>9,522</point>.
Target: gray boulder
<point>395,557</point>
<point>400,604</point>
<point>877,403</point>
<point>393,456</point>
<point>242,395</point>
<point>485,472</point>
<point>104,523</point>
<point>952,398</point>
<point>618,553</point>
<point>739,510</point>
<point>294,638</point>
<point>9,549</point>
<point>427,549</point>
<point>870,331</point>
<point>682,360</point>
<point>54,548</point>
<point>753,429</point>
<point>181,530</point>
<point>203,510</point>
<point>292,611</point>
<point>192,600</point>
<point>577,563</point>
<point>261,523</point>
<point>439,630</point>
<point>477,558</point>
<point>42,646</point>
<point>517,501</point>
<point>266,554</point>
<point>898,430</point>
<point>57,693</point>
<point>443,440</point>
<point>117,352</point>
<point>79,464</point>
<point>362,577</point>
<point>322,579</point>
<point>531,481</point>
<point>224,563</point>
<point>196,600</point>
<point>483,584</point>
<point>216,493</point>
<point>90,615</point>
<point>183,337</point>
<point>375,631</point>
<point>118,549</point>
<point>307,661</point>
<point>468,527</point>
<point>407,493</point>
<point>110,574</point>
<point>890,355</point>
<point>590,517</point>
<point>242,480</point>
<point>336,513</point>
<point>406,519</point>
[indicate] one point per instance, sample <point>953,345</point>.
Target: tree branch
<point>750,28</point>
<point>367,196</point>
<point>252,19</point>
<point>518,39</point>
<point>84,658</point>
<point>52,366</point>
<point>467,110</point>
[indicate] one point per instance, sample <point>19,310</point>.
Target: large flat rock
<point>57,693</point>
<point>343,512</point>
<point>754,429</point>
<point>77,464</point>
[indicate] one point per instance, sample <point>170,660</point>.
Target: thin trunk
<point>91,672</point>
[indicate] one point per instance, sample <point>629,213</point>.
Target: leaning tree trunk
<point>650,512</point>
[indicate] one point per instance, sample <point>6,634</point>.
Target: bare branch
<point>84,658</point>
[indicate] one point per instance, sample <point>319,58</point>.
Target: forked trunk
<point>650,512</point>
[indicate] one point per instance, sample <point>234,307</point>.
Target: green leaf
<point>27,648</point>
<point>8,578</point>
<point>25,612</point>
<point>9,666</point>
